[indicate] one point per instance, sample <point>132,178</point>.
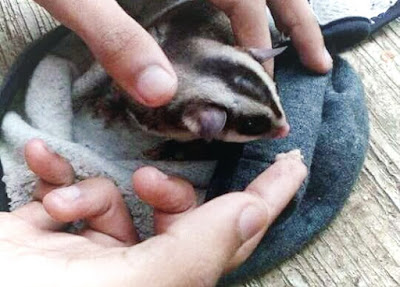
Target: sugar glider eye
<point>254,125</point>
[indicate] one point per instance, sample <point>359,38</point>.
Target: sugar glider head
<point>223,94</point>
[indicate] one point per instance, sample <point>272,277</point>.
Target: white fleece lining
<point>327,11</point>
<point>92,147</point>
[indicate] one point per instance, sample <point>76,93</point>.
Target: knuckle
<point>293,15</point>
<point>250,196</point>
<point>102,184</point>
<point>231,7</point>
<point>107,184</point>
<point>113,43</point>
<point>303,171</point>
<point>202,272</point>
<point>294,167</point>
<point>293,22</point>
<point>253,195</point>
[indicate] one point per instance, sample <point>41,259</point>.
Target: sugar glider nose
<point>281,132</point>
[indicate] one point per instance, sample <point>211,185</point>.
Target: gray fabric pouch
<point>329,123</point>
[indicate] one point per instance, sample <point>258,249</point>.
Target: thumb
<point>128,53</point>
<point>197,249</point>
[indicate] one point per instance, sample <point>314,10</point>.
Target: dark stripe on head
<point>240,79</point>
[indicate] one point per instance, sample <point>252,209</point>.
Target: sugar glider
<point>223,91</point>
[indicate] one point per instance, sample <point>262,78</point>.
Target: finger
<point>278,184</point>
<point>296,19</point>
<point>170,196</point>
<point>99,202</point>
<point>197,248</point>
<point>48,165</point>
<point>165,193</point>
<point>42,188</point>
<point>128,53</point>
<point>249,24</point>
<point>276,187</point>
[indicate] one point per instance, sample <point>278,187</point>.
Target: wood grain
<point>362,246</point>
<point>21,22</point>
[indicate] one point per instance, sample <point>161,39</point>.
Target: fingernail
<point>161,175</point>
<point>49,149</point>
<point>155,82</point>
<point>69,193</point>
<point>328,57</point>
<point>43,144</point>
<point>252,220</point>
<point>293,154</point>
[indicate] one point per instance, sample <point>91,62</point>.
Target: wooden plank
<point>362,246</point>
<point>21,22</point>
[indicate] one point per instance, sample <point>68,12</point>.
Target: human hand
<point>294,18</point>
<point>137,63</point>
<point>194,246</point>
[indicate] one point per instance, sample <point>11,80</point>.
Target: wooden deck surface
<point>362,246</point>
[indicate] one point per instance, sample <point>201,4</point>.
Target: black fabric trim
<point>4,200</point>
<point>344,33</point>
<point>22,69</point>
<point>339,35</point>
<point>385,18</point>
<point>222,183</point>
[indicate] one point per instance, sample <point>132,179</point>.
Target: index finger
<point>99,202</point>
<point>249,24</point>
<point>124,48</point>
<point>47,165</point>
<point>296,19</point>
<point>279,183</point>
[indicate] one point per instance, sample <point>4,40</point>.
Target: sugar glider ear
<point>263,54</point>
<point>205,121</point>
